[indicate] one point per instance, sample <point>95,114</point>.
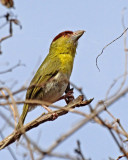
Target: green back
<point>46,71</point>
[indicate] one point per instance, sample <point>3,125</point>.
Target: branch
<point>79,151</point>
<point>23,88</point>
<point>10,19</point>
<point>12,68</point>
<point>107,46</point>
<point>85,121</point>
<point>78,102</point>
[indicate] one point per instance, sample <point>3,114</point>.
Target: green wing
<point>46,71</point>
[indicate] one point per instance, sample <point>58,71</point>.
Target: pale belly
<point>54,89</point>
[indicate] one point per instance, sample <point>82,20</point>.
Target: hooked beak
<point>77,34</point>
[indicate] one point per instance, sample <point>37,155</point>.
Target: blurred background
<point>41,21</point>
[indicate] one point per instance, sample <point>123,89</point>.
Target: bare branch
<point>9,149</point>
<point>79,151</point>
<point>85,121</point>
<point>12,68</point>
<point>9,20</point>
<point>78,102</point>
<point>107,46</point>
<point>15,92</point>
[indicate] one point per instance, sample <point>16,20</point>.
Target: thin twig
<point>84,121</point>
<point>9,149</point>
<point>12,68</point>
<point>107,46</point>
<point>78,102</point>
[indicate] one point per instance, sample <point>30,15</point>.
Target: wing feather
<point>48,69</point>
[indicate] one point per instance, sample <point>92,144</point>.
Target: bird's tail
<point>22,117</point>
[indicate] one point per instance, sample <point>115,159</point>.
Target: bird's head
<point>66,42</point>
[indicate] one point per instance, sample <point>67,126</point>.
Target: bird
<point>52,77</point>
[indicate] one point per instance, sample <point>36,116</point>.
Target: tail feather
<point>22,117</point>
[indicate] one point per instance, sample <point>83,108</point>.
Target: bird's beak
<point>77,34</point>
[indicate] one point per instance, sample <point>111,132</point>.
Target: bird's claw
<point>69,95</point>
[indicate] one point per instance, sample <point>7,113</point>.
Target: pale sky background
<point>42,20</point>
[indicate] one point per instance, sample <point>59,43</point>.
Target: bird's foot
<point>68,97</point>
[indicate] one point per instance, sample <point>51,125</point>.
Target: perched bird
<point>52,77</point>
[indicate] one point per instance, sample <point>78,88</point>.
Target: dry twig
<point>9,20</point>
<point>91,116</point>
<point>12,68</point>
<point>78,102</point>
<point>107,46</point>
